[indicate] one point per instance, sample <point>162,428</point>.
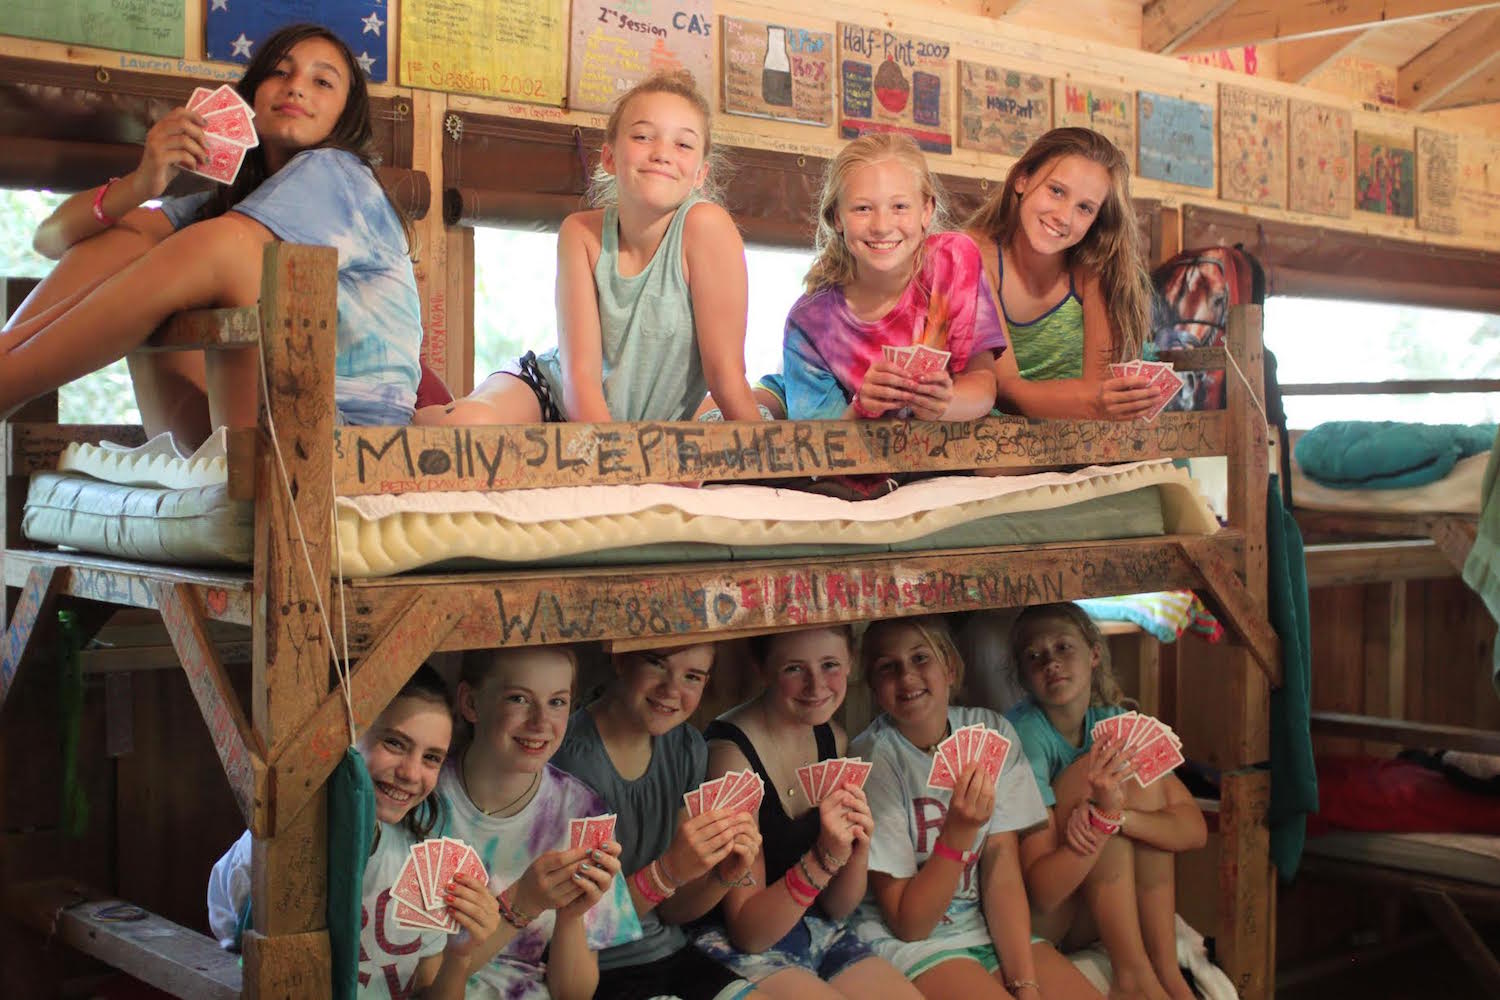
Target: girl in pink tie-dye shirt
<point>879,280</point>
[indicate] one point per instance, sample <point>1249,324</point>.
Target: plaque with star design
<point>232,29</point>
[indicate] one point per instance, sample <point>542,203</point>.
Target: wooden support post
<point>460,285</point>
<point>299,320</point>
<point>1247,886</point>
<point>240,752</point>
<point>1455,536</point>
<point>1384,659</point>
<point>428,109</point>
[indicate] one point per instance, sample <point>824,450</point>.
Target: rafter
<point>999,8</point>
<point>1165,23</point>
<point>1255,22</point>
<point>1300,59</point>
<point>1482,88</point>
<point>1452,61</point>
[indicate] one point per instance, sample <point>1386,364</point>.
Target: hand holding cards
<point>825,777</point>
<point>1164,382</point>
<point>1151,746</point>
<point>430,868</point>
<point>592,832</point>
<point>229,131</point>
<point>737,791</point>
<point>960,751</point>
<point>917,360</point>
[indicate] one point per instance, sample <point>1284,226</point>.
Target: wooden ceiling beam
<point>1166,23</point>
<point>1300,59</point>
<point>1449,63</point>
<point>1256,22</point>
<point>999,8</point>
<point>1482,88</point>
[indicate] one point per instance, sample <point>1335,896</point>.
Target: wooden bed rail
<point>1405,733</point>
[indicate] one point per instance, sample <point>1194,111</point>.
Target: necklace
<point>947,730</point>
<point>501,809</point>
<point>765,715</point>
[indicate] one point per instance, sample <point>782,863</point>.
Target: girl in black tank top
<point>810,873</point>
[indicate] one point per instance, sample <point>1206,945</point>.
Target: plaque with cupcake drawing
<point>894,82</point>
<point>777,71</point>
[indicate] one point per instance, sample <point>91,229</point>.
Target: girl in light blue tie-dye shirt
<point>513,807</point>
<point>124,269</point>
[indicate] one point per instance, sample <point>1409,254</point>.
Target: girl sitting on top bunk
<point>785,929</point>
<point>1103,865</point>
<point>947,900</point>
<point>513,807</point>
<point>126,269</point>
<point>636,747</point>
<point>882,279</point>
<point>1063,255</point>
<point>403,750</point>
<point>651,287</point>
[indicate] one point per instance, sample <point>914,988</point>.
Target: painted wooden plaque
<point>1437,182</point>
<point>1478,196</point>
<point>894,82</point>
<point>1322,160</point>
<point>1385,174</point>
<point>777,71</point>
<point>1107,110</point>
<point>1176,139</point>
<point>1252,146</point>
<point>152,26</point>
<point>516,49</point>
<point>1001,110</point>
<point>618,43</point>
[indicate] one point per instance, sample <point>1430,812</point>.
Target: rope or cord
<point>342,670</point>
<point>1253,398</point>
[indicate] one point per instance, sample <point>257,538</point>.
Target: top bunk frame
<point>278,751</point>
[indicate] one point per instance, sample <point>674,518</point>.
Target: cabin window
<point>102,397</point>
<point>1326,340</point>
<point>515,273</point>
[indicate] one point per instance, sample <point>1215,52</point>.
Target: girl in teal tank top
<point>1062,251</point>
<point>638,339</point>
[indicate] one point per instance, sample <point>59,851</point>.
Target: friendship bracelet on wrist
<point>1021,984</point>
<point>104,220</point>
<point>513,915</point>
<point>744,881</point>
<point>1104,822</point>
<point>672,880</point>
<point>827,861</point>
<point>807,874</point>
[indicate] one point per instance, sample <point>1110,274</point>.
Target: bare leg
<point>171,393</point>
<point>1156,895</point>
<point>81,269</point>
<point>873,977</point>
<point>1060,979</point>
<point>961,977</point>
<point>1110,892</point>
<point>499,399</point>
<point>795,984</point>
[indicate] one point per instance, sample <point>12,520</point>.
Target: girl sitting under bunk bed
<point>125,269</point>
<point>948,903</point>
<point>786,929</point>
<point>636,747</point>
<point>881,280</point>
<point>403,750</point>
<point>513,807</point>
<point>651,286</point>
<point>1112,876</point>
<point>1062,253</point>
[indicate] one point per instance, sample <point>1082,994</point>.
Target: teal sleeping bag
<point>1385,454</point>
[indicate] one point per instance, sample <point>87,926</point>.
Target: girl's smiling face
<point>658,152</point>
<point>660,689</point>
<point>1060,201</point>
<point>1057,664</point>
<point>299,102</point>
<point>404,750</point>
<point>911,680</point>
<point>520,711</point>
<point>883,218</point>
<point>807,674</point>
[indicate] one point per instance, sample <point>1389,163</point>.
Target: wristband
<point>519,919</point>
<point>802,893</point>
<point>668,877</point>
<point>104,220</point>
<point>942,850</point>
<point>650,889</point>
<point>1104,822</point>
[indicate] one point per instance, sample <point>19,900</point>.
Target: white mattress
<point>1456,493</point>
<point>392,533</point>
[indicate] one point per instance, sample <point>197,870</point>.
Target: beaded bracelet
<point>1021,984</point>
<point>1104,822</point>
<point>807,874</point>
<point>829,863</point>
<point>516,917</point>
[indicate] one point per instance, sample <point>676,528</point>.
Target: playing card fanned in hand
<point>591,831</point>
<point>967,746</point>
<point>1150,744</point>
<point>822,778</point>
<point>422,883</point>
<point>229,131</point>
<point>737,791</point>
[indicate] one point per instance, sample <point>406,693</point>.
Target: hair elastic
<point>104,220</point>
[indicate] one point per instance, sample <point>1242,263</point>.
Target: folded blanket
<point>1166,615</point>
<point>1384,454</point>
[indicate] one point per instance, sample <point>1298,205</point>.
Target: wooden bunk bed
<point>278,751</point>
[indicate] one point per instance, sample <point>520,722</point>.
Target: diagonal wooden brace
<point>1232,601</point>
<point>303,763</point>
<point>239,746</point>
<point>1454,537</point>
<point>37,604</point>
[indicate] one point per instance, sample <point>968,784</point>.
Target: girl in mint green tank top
<point>638,337</point>
<point>1061,248</point>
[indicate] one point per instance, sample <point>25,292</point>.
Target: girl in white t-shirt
<point>403,750</point>
<point>947,906</point>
